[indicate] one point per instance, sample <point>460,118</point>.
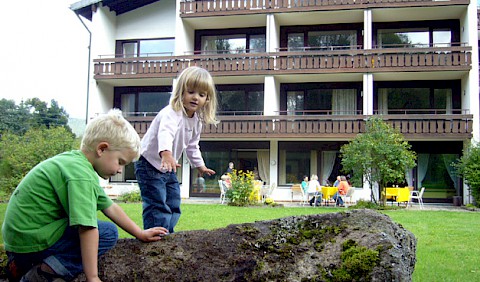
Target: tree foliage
<point>20,153</point>
<point>32,113</point>
<point>378,156</point>
<point>468,166</point>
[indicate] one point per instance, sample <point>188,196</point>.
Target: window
<point>224,44</point>
<point>296,42</point>
<point>341,39</point>
<point>419,97</point>
<point>141,100</point>
<point>293,165</point>
<point>318,99</point>
<point>240,99</point>
<point>146,47</point>
<point>321,37</point>
<point>422,34</point>
<point>236,41</point>
<point>401,38</point>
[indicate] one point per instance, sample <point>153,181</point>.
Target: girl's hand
<point>206,170</point>
<point>168,162</point>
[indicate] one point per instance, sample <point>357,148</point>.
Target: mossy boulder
<point>357,245</point>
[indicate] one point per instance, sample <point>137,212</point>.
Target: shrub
<point>468,166</point>
<point>130,197</point>
<point>242,188</point>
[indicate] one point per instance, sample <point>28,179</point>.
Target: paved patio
<point>415,206</point>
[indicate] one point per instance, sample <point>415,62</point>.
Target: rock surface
<point>358,245</point>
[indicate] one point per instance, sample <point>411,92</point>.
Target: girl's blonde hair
<point>198,79</point>
<point>114,129</point>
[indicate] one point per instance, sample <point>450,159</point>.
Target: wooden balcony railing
<point>413,127</point>
<point>454,58</point>
<point>203,8</point>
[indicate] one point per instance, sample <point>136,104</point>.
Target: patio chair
<point>297,189</point>
<point>223,191</point>
<point>417,195</point>
<point>267,191</point>
<point>348,198</point>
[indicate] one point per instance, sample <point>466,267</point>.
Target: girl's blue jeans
<point>65,257</point>
<point>160,194</point>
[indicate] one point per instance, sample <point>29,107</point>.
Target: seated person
<point>314,190</point>
<point>335,184</point>
<point>227,183</point>
<point>342,190</point>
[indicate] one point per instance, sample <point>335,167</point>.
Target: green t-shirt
<point>63,190</point>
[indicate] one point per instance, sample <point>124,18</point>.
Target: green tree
<point>380,155</point>
<point>20,153</point>
<point>32,113</point>
<point>468,166</point>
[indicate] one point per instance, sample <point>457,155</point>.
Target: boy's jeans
<point>160,194</point>
<point>64,257</point>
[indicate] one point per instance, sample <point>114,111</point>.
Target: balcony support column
<point>367,29</point>
<point>273,34</point>
<point>274,167</point>
<point>367,94</point>
<point>271,104</point>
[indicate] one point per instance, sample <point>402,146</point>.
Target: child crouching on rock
<point>51,231</point>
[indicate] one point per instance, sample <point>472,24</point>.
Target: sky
<point>44,54</point>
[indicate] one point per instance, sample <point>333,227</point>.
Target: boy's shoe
<point>37,275</point>
<point>14,273</point>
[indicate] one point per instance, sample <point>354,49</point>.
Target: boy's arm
<point>89,248</point>
<point>117,215</point>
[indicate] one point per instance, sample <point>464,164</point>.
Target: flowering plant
<point>242,188</point>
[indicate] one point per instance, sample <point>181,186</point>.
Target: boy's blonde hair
<point>198,79</point>
<point>114,129</point>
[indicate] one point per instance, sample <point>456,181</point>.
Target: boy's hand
<point>152,234</point>
<point>206,170</point>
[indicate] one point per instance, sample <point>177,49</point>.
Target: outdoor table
<point>397,194</point>
<point>328,192</point>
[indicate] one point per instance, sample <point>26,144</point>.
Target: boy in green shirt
<point>51,231</point>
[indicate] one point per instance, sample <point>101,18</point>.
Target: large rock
<point>358,245</point>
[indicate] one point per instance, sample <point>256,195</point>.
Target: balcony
<point>327,127</point>
<point>205,8</point>
<point>452,58</point>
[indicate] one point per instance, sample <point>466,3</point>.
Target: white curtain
<point>344,102</point>
<point>263,160</point>
<point>328,161</point>
<point>409,177</point>
<point>382,101</point>
<point>448,98</point>
<point>448,159</point>
<point>422,167</point>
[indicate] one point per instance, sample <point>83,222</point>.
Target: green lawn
<point>448,246</point>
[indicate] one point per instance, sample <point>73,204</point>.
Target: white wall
<point>103,43</point>
<point>159,17</point>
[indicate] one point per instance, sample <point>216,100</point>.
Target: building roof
<point>84,7</point>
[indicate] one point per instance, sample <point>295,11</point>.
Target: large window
<point>230,41</point>
<point>417,34</point>
<point>240,99</point>
<point>307,99</point>
<point>146,47</point>
<point>418,97</point>
<point>320,37</point>
<point>141,100</point>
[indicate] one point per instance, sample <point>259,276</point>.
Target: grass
<point>448,244</point>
